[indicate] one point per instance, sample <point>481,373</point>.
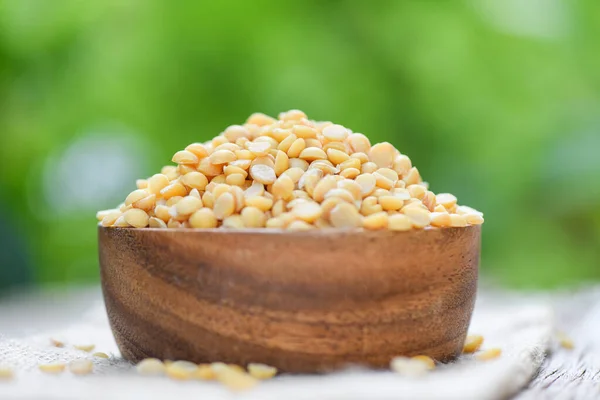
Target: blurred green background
<point>497,102</point>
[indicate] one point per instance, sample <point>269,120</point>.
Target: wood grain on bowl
<point>301,301</point>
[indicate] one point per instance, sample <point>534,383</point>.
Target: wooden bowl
<point>301,301</point>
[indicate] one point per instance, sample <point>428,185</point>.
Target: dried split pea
<point>181,370</point>
<point>233,222</point>
<point>135,196</point>
<point>351,162</point>
<point>157,182</point>
<point>286,143</point>
<point>565,341</point>
<point>350,173</point>
<point>234,169</point>
<point>340,193</point>
<point>255,189</point>
<point>6,372</point>
<point>145,204</point>
<point>205,372</point>
<point>188,205</point>
<point>418,217</point>
<point>370,206</point>
<point>283,187</point>
<point>359,143</point>
<point>446,199</point>
<point>233,378</point>
<point>304,132</point>
<point>409,366</point>
<point>53,368</point>
<point>224,206</point>
<point>352,187</point>
<point>259,202</point>
<point>296,148</point>
<point>170,171</point>
<point>401,164</point>
<point>172,224</point>
<point>472,343</point>
<point>335,133</point>
<point>85,347</point>
<point>337,156</point>
<point>368,167</point>
<point>295,174</point>
<point>292,115</point>
<point>473,218</point>
<point>173,190</point>
<point>81,366</point>
<point>198,149</point>
<point>457,220</point>
<point>219,188</point>
<point>260,119</point>
<point>412,177</point>
<point>425,359</point>
<point>378,220</point>
<point>322,187</point>
<point>308,181</point>
<point>389,203</point>
<point>429,200</point>
<point>172,201</point>
<point>489,354</point>
<point>299,226</point>
<point>417,191</point>
<point>209,169</point>
<point>325,166</point>
<point>345,215</point>
<point>299,163</point>
<point>307,211</point>
<point>360,156</point>
<point>440,219</point>
<point>253,217</point>
<point>399,222</point>
<point>235,132</point>
<point>136,218</point>
<point>220,157</point>
<point>111,218</point>
<point>185,157</point>
<point>275,223</point>
<point>121,223</point>
<point>382,154</point>
<point>56,342</point>
<point>217,141</point>
<point>263,174</point>
<point>439,208</point>
<point>195,180</point>
<point>141,183</point>
<point>259,148</point>
<point>282,162</point>
<point>261,371</point>
<point>150,366</point>
<point>100,215</point>
<point>462,210</point>
<point>183,169</point>
<point>312,154</point>
<point>401,193</point>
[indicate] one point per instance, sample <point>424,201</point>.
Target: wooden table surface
<point>575,373</point>
<point>565,374</point>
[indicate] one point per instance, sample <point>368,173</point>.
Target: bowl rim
<point>287,232</point>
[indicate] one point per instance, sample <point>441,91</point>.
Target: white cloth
<point>522,332</point>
